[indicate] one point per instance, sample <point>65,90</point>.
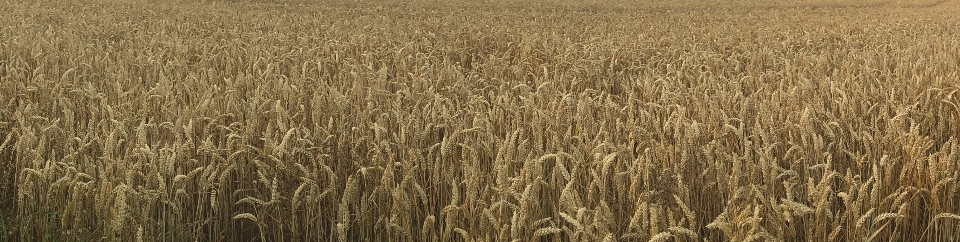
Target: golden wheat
<point>426,121</point>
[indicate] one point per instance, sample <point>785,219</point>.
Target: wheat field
<point>587,120</point>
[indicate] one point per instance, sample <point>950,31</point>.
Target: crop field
<point>566,120</point>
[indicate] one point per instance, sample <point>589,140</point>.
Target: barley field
<point>565,120</point>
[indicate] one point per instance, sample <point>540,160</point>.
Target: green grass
<point>52,218</point>
<point>4,235</point>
